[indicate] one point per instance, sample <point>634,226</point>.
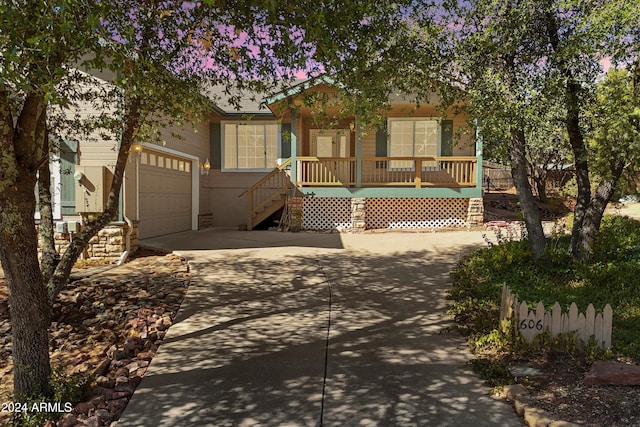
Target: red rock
<point>84,407</point>
<point>132,367</point>
<point>93,421</point>
<point>108,394</point>
<point>116,395</point>
<point>68,420</point>
<point>613,373</point>
<point>105,382</point>
<point>116,407</point>
<point>145,355</point>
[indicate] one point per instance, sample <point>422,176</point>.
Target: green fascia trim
<point>343,192</point>
<point>294,90</point>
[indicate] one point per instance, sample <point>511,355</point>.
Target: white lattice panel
<point>326,213</point>
<point>416,213</point>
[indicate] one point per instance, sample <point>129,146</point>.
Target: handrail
<point>267,176</point>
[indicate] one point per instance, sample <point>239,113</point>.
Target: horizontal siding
<point>463,139</point>
<point>369,144</point>
<point>226,201</point>
<point>193,143</point>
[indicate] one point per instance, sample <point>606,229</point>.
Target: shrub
<point>610,278</point>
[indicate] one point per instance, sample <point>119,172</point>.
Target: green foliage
<point>494,371</point>
<point>610,278</point>
<point>66,391</point>
<point>614,122</point>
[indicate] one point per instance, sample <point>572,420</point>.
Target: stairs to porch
<point>268,195</point>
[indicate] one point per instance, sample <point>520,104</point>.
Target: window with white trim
<point>249,146</point>
<point>419,137</point>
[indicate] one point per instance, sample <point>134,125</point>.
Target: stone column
<point>358,215</point>
<point>475,212</point>
<point>294,217</point>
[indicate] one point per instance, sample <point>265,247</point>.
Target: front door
<point>331,147</point>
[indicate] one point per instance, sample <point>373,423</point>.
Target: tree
<point>519,58</point>
<point>493,56</point>
<point>160,55</point>
<point>31,68</point>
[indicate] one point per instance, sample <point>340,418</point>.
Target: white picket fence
<point>531,323</point>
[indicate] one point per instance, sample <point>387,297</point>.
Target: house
<point>284,154</point>
<point>419,171</point>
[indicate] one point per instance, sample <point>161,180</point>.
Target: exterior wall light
<point>204,169</point>
<point>136,149</point>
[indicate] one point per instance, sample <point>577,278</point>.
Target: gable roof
<point>248,102</point>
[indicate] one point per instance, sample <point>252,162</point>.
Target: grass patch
<point>612,277</point>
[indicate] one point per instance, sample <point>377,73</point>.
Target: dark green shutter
<point>446,138</point>
<point>68,160</point>
<point>381,146</point>
<point>215,139</point>
<point>285,140</point>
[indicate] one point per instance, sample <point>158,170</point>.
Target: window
<point>250,146</point>
<point>413,138</point>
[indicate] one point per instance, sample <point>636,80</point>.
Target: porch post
<point>478,124</point>
<point>294,146</point>
<point>358,153</point>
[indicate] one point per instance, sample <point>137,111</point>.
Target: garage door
<point>165,194</point>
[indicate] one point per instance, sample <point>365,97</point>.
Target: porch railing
<point>267,194</point>
<point>418,172</point>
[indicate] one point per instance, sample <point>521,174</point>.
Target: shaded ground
<point>251,336</point>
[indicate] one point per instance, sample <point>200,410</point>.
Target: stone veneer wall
<point>475,214</point>
<point>205,221</point>
<point>109,243</point>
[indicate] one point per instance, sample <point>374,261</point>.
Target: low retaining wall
<point>108,244</point>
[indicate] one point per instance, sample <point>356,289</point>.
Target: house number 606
<point>531,324</point>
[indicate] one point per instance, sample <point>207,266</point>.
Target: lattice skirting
<point>381,213</point>
<point>416,213</point>
<point>326,213</point>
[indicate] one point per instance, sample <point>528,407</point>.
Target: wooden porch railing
<point>267,194</point>
<point>418,172</point>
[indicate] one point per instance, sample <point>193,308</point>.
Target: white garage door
<point>165,194</point>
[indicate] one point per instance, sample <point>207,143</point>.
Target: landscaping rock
<point>100,333</point>
<point>84,407</point>
<point>613,373</point>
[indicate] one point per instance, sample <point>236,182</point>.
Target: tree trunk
<point>594,213</point>
<point>580,155</point>
<point>21,150</point>
<point>528,205</point>
<point>50,257</point>
<point>30,315</point>
<point>131,127</point>
<point>576,139</point>
<point>541,188</point>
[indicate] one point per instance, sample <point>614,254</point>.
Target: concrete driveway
<point>307,329</point>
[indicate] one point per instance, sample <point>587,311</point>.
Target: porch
<point>436,178</point>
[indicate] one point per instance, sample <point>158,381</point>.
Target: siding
<point>224,189</point>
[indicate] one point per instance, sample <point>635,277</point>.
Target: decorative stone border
<point>524,406</point>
